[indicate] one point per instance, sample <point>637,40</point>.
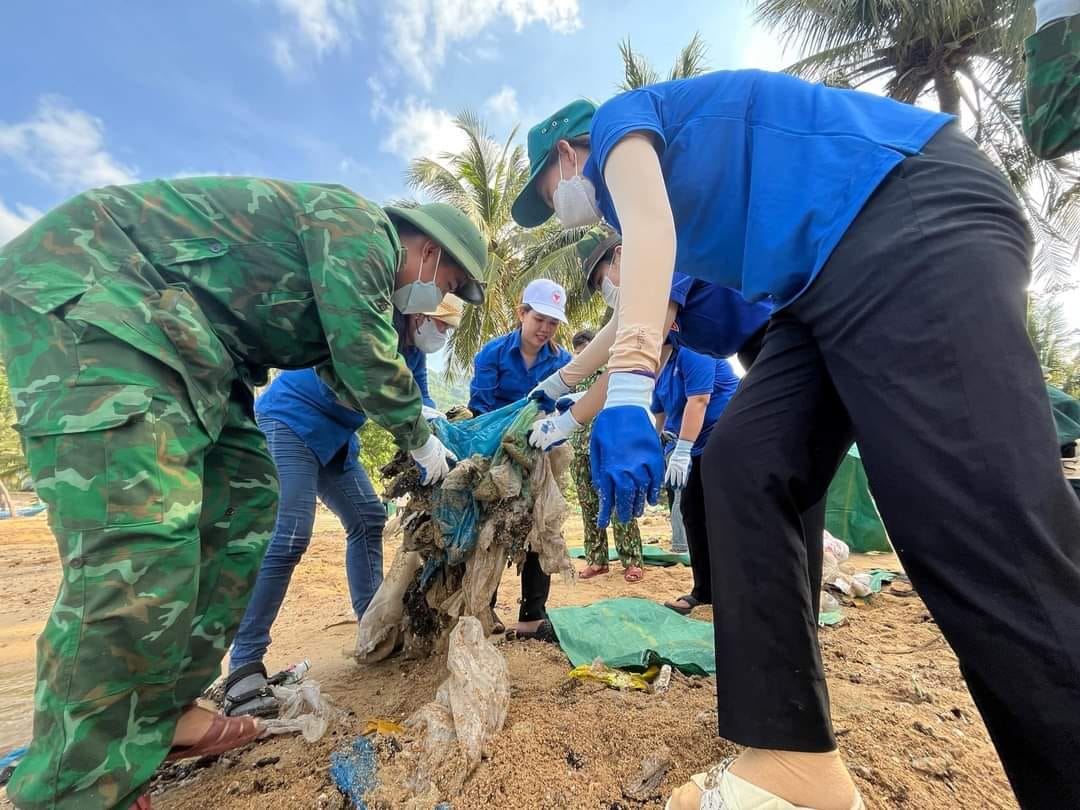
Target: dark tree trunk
<point>948,91</point>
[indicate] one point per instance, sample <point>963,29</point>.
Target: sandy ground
<point>905,722</point>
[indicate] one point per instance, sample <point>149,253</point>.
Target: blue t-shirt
<point>312,411</point>
<point>764,171</point>
<point>713,320</point>
<point>688,374</point>
<point>500,376</point>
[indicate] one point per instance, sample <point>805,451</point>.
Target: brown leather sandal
<point>224,734</point>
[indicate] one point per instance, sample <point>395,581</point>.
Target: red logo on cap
<point>555,297</point>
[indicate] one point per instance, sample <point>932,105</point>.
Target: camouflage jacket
<point>225,277</point>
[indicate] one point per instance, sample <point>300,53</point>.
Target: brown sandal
<point>633,574</point>
<point>590,571</point>
<point>224,734</point>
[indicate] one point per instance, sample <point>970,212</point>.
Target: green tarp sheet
<point>1066,415</point>
<point>850,514</point>
<point>633,634</point>
<point>652,555</point>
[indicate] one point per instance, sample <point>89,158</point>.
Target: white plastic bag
<point>380,628</point>
<point>838,548</point>
<point>469,708</point>
<point>304,709</point>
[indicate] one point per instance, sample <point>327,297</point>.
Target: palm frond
<point>637,72</point>
<point>691,59</point>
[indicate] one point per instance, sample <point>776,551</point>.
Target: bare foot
<point>686,797</point>
<point>192,725</point>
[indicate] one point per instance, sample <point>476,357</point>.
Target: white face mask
<point>609,292</point>
<point>428,338</point>
<point>419,296</point>
<point>575,200</point>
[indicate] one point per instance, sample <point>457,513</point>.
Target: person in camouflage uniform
<point>133,323</point>
<point>1051,106</point>
<point>627,535</point>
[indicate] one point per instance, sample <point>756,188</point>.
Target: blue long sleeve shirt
<point>500,376</point>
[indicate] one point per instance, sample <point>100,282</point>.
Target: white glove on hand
<point>553,386</point>
<point>433,459</point>
<point>678,467</point>
<point>430,413</point>
<point>553,430</point>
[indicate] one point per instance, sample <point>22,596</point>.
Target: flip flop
<point>224,734</point>
<point>590,571</point>
<point>688,599</point>
<point>633,574</point>
<point>545,632</point>
<point>142,803</point>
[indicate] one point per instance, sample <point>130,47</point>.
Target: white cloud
<point>12,223</point>
<point>315,28</point>
<point>504,104</point>
<point>419,130</point>
<point>63,146</point>
<point>421,31</point>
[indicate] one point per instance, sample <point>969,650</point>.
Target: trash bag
<point>381,625</point>
<point>457,728</point>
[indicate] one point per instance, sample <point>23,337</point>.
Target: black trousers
<point>697,533</point>
<point>535,587</point>
<point>912,341</point>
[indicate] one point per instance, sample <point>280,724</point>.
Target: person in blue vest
<point>507,368</point>
<point>690,394</point>
<point>505,371</point>
<point>895,258</point>
<point>312,439</point>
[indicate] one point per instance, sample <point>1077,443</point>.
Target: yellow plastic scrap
<point>382,727</point>
<point>599,672</point>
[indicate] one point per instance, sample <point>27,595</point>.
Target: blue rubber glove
<point>627,464</point>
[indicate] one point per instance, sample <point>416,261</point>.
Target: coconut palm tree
<point>967,55</point>
<point>1056,341</point>
<point>638,72</point>
<point>12,462</point>
<point>483,179</point>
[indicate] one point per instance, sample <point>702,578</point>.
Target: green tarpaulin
<point>1066,415</point>
<point>850,514</point>
<point>633,634</point>
<point>652,555</point>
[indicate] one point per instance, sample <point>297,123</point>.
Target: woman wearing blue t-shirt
<point>895,258</point>
<point>312,439</point>
<point>690,394</point>
<point>505,371</point>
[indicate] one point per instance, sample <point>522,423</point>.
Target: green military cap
<point>571,121</point>
<point>457,235</point>
<point>594,246</point>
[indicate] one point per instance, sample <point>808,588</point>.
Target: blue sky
<point>331,90</point>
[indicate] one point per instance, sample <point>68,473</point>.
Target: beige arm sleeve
<point>636,183</point>
<point>593,357</point>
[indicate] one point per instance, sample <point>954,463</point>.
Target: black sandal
<point>689,599</point>
<point>545,632</point>
<point>247,691</point>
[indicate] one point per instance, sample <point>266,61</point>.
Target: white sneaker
<point>722,790</point>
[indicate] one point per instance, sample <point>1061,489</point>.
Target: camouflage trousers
<point>160,529</point>
<point>627,535</point>
<point>1051,108</point>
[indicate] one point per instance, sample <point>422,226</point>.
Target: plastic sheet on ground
<point>353,771</point>
<point>634,634</point>
<point>650,555</point>
<point>304,710</point>
<point>457,728</point>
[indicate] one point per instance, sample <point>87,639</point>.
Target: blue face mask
<point>419,296</point>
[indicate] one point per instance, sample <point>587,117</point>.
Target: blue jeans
<point>349,495</point>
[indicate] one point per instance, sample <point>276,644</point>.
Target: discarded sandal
<point>247,691</point>
<point>545,632</point>
<point>633,574</point>
<point>141,803</point>
<point>590,571</point>
<point>688,599</point>
<point>722,790</point>
<point>224,734</point>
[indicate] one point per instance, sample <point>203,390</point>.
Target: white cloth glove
<point>678,466</point>
<point>553,386</point>
<point>628,388</point>
<point>433,459</point>
<point>553,430</point>
<point>430,413</point>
